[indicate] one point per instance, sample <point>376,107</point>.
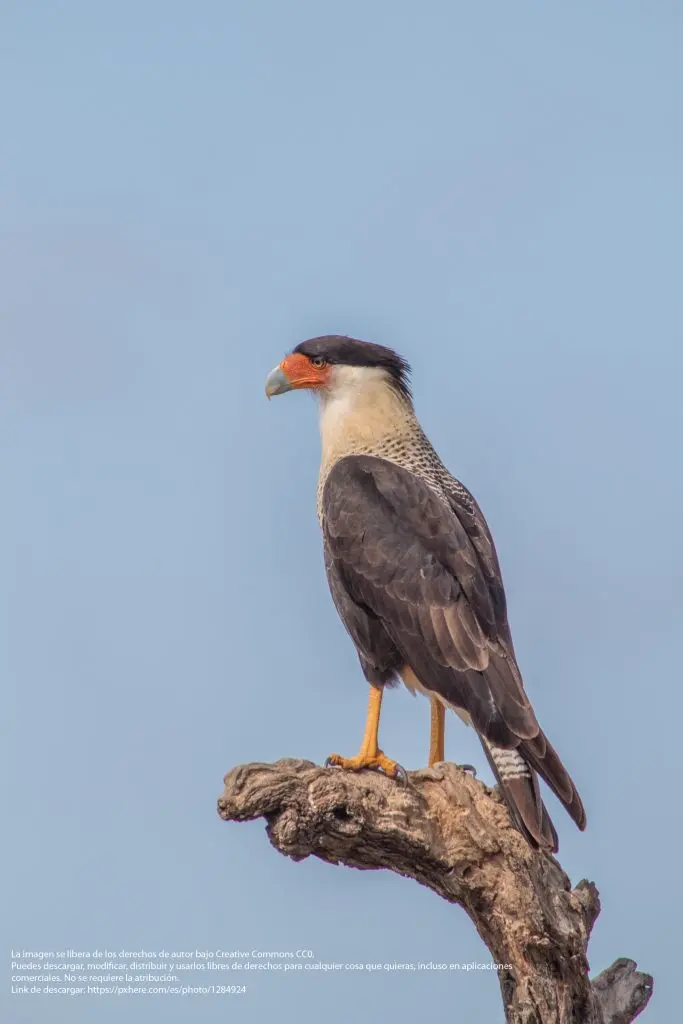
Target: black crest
<point>337,349</point>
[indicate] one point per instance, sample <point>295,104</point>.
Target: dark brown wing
<point>379,657</point>
<point>428,572</point>
<point>472,520</point>
<point>405,555</point>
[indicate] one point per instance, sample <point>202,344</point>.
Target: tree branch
<point>449,832</point>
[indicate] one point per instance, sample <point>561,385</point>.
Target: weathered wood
<point>449,832</point>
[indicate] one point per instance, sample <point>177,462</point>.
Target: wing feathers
<point>461,631</point>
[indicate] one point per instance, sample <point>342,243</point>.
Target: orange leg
<point>370,755</point>
<point>436,735</point>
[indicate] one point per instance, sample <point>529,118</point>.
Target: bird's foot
<point>469,768</point>
<point>378,761</point>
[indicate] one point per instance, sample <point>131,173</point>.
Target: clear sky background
<point>187,191</point>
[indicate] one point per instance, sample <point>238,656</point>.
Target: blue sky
<point>189,190</point>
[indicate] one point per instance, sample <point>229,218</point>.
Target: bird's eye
<point>318,361</point>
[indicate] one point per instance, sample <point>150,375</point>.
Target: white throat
<point>360,410</point>
<point>361,413</point>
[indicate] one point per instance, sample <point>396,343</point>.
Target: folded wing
<point>425,568</point>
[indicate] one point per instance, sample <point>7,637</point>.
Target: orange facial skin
<point>303,374</point>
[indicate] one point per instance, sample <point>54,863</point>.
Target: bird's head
<point>333,365</point>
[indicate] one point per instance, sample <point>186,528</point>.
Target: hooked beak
<point>277,382</point>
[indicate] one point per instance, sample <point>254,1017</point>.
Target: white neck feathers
<point>360,411</point>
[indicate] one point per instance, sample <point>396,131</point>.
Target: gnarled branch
<point>449,832</point>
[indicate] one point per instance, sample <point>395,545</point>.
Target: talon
<point>391,768</point>
<point>372,761</point>
<point>469,768</point>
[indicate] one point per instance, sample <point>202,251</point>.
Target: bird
<point>415,577</point>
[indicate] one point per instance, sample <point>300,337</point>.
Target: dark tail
<point>515,769</point>
<point>542,756</point>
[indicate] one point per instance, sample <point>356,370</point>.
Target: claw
<point>378,761</point>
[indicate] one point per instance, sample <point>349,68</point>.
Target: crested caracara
<point>414,575</point>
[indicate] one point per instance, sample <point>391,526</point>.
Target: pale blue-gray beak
<point>277,382</point>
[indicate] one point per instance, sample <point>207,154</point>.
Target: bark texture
<point>449,832</point>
